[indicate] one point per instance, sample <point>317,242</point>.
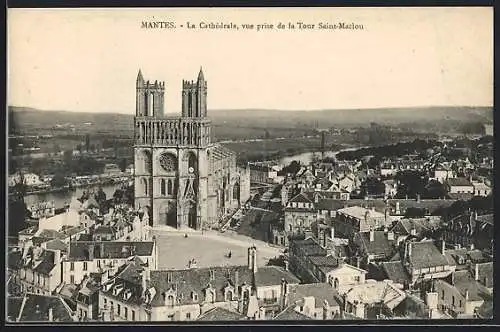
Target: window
<point>72,279</point>
<point>163,187</point>
<point>460,303</point>
<point>98,263</point>
<point>105,302</point>
<point>170,300</point>
<point>118,309</point>
<point>357,278</point>
<point>453,300</point>
<point>125,309</point>
<point>442,295</point>
<point>188,315</point>
<point>133,314</point>
<point>170,188</point>
<point>84,266</point>
<point>72,266</point>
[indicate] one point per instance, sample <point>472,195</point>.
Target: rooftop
<point>320,291</point>
<point>425,254</point>
<point>35,308</point>
<point>461,182</point>
<point>220,314</point>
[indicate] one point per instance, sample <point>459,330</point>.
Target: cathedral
<point>182,179</point>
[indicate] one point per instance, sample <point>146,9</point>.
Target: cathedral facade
<point>182,179</point>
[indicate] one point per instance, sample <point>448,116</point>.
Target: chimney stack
<point>398,211</point>
<point>413,231</point>
<point>51,315</point>
<point>409,249</point>
<point>91,251</point>
<point>236,279</point>
<point>372,235</point>
<point>466,295</point>
<point>287,265</point>
<point>145,278</point>
<point>390,236</point>
<point>443,247</point>
<point>476,272</point>
<point>332,232</point>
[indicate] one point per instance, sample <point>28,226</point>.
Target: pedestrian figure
<point>229,255</point>
<point>185,235</point>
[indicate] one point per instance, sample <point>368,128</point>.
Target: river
<point>64,197</point>
<point>306,157</point>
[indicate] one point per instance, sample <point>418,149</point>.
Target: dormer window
<point>210,295</point>
<point>170,300</point>
<point>194,296</point>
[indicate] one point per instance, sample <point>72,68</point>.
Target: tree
<point>123,163</point>
<point>59,180</point>
<point>412,212</point>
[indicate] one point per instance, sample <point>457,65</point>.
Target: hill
<point>29,120</point>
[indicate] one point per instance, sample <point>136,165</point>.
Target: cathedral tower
<point>171,155</point>
<point>194,97</point>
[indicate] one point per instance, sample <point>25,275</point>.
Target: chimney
<point>476,272</point>
<point>443,247</point>
<point>236,279</point>
<point>249,258</point>
<point>287,265</point>
<point>418,198</point>
<point>453,278</point>
<point>145,278</point>
<point>413,231</point>
<point>262,313</point>
<point>51,315</point>
<point>466,295</point>
<point>471,246</point>
<point>102,250</point>
<point>254,259</point>
<point>358,262</point>
<point>284,293</point>
<point>91,252</point>
<point>409,249</point>
<point>332,232</point>
<point>372,235</point>
<point>390,236</point>
<point>398,211</point>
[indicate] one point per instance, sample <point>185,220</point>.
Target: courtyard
<point>209,249</point>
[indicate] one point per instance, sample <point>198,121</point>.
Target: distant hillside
<point>29,119</point>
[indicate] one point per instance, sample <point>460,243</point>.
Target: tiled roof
<point>220,314</point>
<point>129,277</point>
<point>110,249</point>
<point>486,218</point>
<point>13,307</point>
<point>464,282</point>
<point>291,315</point>
<point>320,291</point>
<point>460,196</point>
<point>462,182</point>
<point>35,308</point>
<point>195,281</point>
<point>425,254</point>
<point>301,198</point>
<point>14,259</point>
<point>486,274</point>
<point>379,246</point>
<point>429,204</point>
<point>310,247</point>
<point>51,234</point>
<point>396,272</point>
<point>336,204</point>
<point>272,275</point>
<point>376,292</point>
<point>360,212</point>
<point>29,231</point>
<point>104,230</point>
<point>56,244</point>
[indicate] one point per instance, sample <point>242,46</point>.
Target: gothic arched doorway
<point>168,215</point>
<point>236,192</point>
<point>192,217</point>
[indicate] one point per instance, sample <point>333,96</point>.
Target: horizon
<point>266,109</point>
<point>77,59</point>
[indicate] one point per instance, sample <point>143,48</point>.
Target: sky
<point>88,59</point>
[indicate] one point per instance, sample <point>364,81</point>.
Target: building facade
<point>181,178</point>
